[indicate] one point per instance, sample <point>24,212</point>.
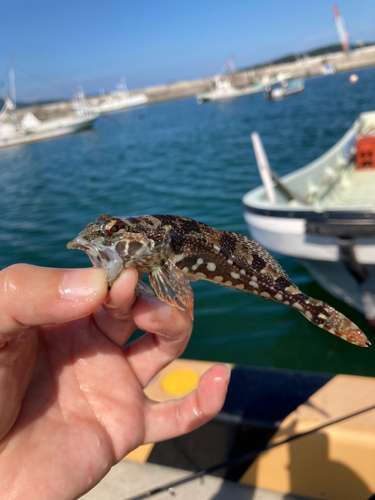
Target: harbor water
<point>196,161</point>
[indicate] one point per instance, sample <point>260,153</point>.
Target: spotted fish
<point>176,250</point>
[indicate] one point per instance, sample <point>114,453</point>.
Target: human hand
<point>71,398</point>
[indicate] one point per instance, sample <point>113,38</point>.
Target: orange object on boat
<point>366,151</point>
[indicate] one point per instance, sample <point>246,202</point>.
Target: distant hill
<point>328,49</point>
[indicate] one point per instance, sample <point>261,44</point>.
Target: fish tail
<point>326,317</point>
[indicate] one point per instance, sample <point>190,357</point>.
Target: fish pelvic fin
<point>326,317</point>
<point>172,286</point>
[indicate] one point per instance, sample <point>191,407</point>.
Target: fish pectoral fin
<point>171,285</point>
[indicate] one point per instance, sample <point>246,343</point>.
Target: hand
<point>71,398</point>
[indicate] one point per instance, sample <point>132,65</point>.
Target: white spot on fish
<point>217,248</point>
<point>255,292</point>
<point>202,275</point>
<point>235,276</point>
<point>218,278</point>
<point>195,267</point>
<point>323,316</point>
<point>179,257</point>
<point>252,283</point>
<point>254,278</point>
<point>199,262</point>
<point>230,262</point>
<point>297,305</point>
<point>228,283</point>
<point>278,296</point>
<point>185,270</point>
<point>240,287</point>
<point>242,271</point>
<point>292,289</point>
<point>265,294</point>
<point>309,315</point>
<point>211,266</point>
<point>286,302</point>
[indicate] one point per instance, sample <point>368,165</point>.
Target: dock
<point>360,58</point>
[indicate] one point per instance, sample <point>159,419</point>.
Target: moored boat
<point>118,100</point>
<point>16,128</point>
<point>324,215</point>
<point>223,89</point>
<point>283,89</point>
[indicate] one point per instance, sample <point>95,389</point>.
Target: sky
<point>58,46</point>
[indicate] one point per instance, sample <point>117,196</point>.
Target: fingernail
<point>82,284</point>
<point>228,367</point>
<point>160,311</point>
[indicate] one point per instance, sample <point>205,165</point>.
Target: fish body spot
<point>278,296</point>
<point>218,278</point>
<point>292,290</point>
<point>265,294</point>
<point>185,270</point>
<point>228,283</point>
<point>211,266</point>
<point>240,287</point>
<point>252,283</point>
<point>297,305</point>
<point>202,275</point>
<point>235,276</point>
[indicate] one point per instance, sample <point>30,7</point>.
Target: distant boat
<point>324,215</point>
<point>117,100</point>
<point>16,130</point>
<point>223,89</point>
<point>328,69</point>
<point>283,89</point>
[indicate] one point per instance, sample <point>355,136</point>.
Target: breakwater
<point>302,68</point>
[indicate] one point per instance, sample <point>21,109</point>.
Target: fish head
<point>114,244</point>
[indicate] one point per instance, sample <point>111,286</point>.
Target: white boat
<point>223,90</point>
<point>118,100</point>
<point>284,89</point>
<point>324,215</point>
<point>15,129</point>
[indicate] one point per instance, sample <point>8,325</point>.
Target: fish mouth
<point>101,257</point>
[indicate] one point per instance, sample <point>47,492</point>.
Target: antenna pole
<point>341,29</point>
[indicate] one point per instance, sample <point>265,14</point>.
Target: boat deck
<point>357,188</point>
<point>128,479</point>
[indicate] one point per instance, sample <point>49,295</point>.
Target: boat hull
<point>51,130</point>
<point>323,257</point>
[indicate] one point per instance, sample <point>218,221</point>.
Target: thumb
<point>32,296</point>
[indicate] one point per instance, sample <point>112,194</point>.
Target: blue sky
<point>58,46</point>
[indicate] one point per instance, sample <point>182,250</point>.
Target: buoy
<point>353,78</point>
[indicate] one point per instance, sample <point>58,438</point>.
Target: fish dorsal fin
<point>172,286</point>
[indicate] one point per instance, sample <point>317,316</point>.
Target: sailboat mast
<point>12,82</point>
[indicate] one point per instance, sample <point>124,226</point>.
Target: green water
<point>184,159</point>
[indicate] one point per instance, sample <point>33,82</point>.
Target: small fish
<point>176,250</point>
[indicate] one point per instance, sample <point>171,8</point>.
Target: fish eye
<point>113,226</point>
